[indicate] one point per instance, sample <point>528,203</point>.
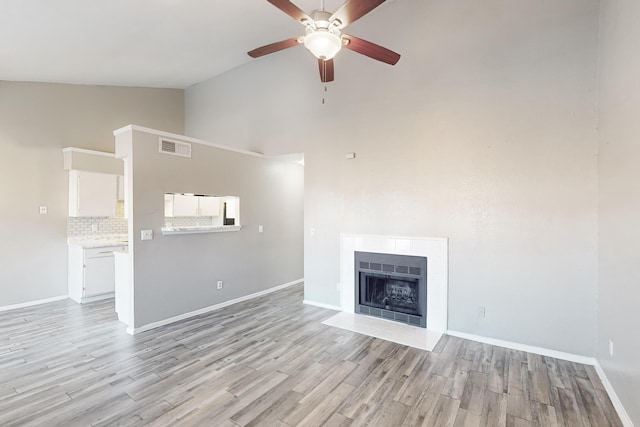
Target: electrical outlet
<point>260,229</point>
<point>146,234</point>
<point>94,228</point>
<point>43,210</point>
<point>312,231</point>
<point>339,287</point>
<point>481,311</point>
<point>219,284</point>
<point>610,348</point>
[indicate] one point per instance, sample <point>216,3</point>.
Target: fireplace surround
<point>435,249</point>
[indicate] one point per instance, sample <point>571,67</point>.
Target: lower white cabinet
<point>91,273</point>
<point>123,290</point>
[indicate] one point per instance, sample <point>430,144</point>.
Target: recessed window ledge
<point>195,230</point>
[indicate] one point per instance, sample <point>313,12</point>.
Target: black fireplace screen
<point>397,294</point>
<point>391,286</point>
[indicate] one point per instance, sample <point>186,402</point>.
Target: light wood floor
<point>270,362</point>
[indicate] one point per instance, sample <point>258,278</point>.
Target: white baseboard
<point>133,331</point>
<point>94,298</point>
<point>30,303</point>
<point>585,360</point>
<point>322,305</point>
<point>615,400</point>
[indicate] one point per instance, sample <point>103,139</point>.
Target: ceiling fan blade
<point>326,70</point>
<point>353,10</point>
<point>371,50</point>
<point>273,47</point>
<point>291,9</point>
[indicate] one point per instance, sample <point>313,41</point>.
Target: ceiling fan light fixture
<point>323,44</point>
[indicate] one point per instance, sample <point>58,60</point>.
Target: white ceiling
<point>154,43</point>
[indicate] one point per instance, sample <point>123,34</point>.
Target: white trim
<point>382,236</point>
<point>133,331</point>
<point>615,400</point>
<point>322,305</point>
<point>182,138</point>
<point>85,151</point>
<point>94,298</point>
<point>585,360</point>
<point>30,303</point>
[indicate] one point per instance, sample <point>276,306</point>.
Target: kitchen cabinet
<point>185,205</point>
<point>176,205</point>
<point>92,194</point>
<point>123,288</point>
<point>91,273</point>
<point>208,206</point>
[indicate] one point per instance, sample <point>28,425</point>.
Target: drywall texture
<point>177,274</point>
<point>484,133</point>
<point>36,121</point>
<point>619,201</point>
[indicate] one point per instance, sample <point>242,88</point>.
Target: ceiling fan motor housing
<point>323,38</point>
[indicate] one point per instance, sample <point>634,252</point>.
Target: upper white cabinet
<point>185,205</point>
<point>208,206</point>
<point>92,194</point>
<point>176,205</point>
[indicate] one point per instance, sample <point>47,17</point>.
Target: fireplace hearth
<point>392,287</point>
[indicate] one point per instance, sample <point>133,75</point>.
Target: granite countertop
<point>99,241</point>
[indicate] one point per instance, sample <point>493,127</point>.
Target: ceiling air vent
<point>175,148</point>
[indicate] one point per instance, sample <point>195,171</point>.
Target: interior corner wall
<point>37,120</point>
<point>619,201</point>
<point>177,274</point>
<point>484,132</point>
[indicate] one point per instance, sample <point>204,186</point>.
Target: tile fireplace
<point>433,249</point>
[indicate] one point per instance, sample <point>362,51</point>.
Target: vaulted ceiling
<point>151,43</point>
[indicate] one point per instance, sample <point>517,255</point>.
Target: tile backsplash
<point>188,221</point>
<point>83,226</point>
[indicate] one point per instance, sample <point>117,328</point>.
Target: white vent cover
<point>175,148</point>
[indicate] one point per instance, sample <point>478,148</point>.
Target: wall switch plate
<point>610,348</point>
<point>351,156</point>
<point>146,234</point>
<point>219,284</point>
<point>312,231</point>
<point>260,229</point>
<point>339,287</point>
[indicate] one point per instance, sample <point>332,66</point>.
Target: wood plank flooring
<point>271,362</point>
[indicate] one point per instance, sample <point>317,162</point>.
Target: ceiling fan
<point>324,37</point>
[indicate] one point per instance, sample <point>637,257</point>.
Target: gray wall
<point>619,202</point>
<point>36,121</point>
<point>177,274</point>
<point>484,133</point>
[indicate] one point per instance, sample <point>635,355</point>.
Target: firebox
<point>392,287</point>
